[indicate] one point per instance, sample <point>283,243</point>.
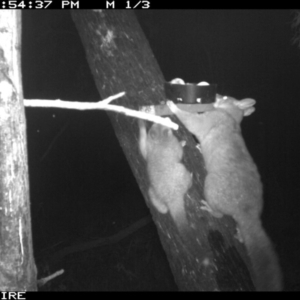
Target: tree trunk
<point>121,60</point>
<point>17,268</point>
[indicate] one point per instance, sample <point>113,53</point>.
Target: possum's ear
<point>249,111</point>
<point>172,107</point>
<point>247,105</point>
<point>143,138</point>
<point>141,123</point>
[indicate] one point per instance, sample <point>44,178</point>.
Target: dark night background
<point>81,186</point>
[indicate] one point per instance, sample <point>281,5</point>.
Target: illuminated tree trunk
<point>17,268</point>
<point>205,257</point>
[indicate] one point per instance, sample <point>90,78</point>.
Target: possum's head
<point>161,140</point>
<point>159,133</point>
<point>236,109</point>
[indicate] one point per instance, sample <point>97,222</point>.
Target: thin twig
<point>53,142</point>
<point>44,280</point>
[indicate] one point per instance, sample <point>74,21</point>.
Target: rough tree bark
<point>17,268</point>
<point>207,256</point>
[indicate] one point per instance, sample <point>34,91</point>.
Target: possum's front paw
<point>173,107</point>
<point>158,203</point>
<point>245,105</point>
<point>210,210</point>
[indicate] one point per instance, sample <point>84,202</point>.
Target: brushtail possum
<point>168,177</point>
<point>232,185</point>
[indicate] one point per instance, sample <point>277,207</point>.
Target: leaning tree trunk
<point>17,269</point>
<point>121,60</point>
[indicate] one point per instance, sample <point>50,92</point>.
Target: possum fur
<point>169,179</point>
<point>232,185</point>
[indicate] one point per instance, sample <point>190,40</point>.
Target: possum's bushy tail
<point>266,269</point>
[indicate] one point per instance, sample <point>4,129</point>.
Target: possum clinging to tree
<point>168,177</point>
<point>232,185</point>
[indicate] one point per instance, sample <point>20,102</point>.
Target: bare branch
<point>104,105</point>
<point>44,280</point>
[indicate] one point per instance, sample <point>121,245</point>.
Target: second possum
<point>232,185</point>
<point>169,179</point>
